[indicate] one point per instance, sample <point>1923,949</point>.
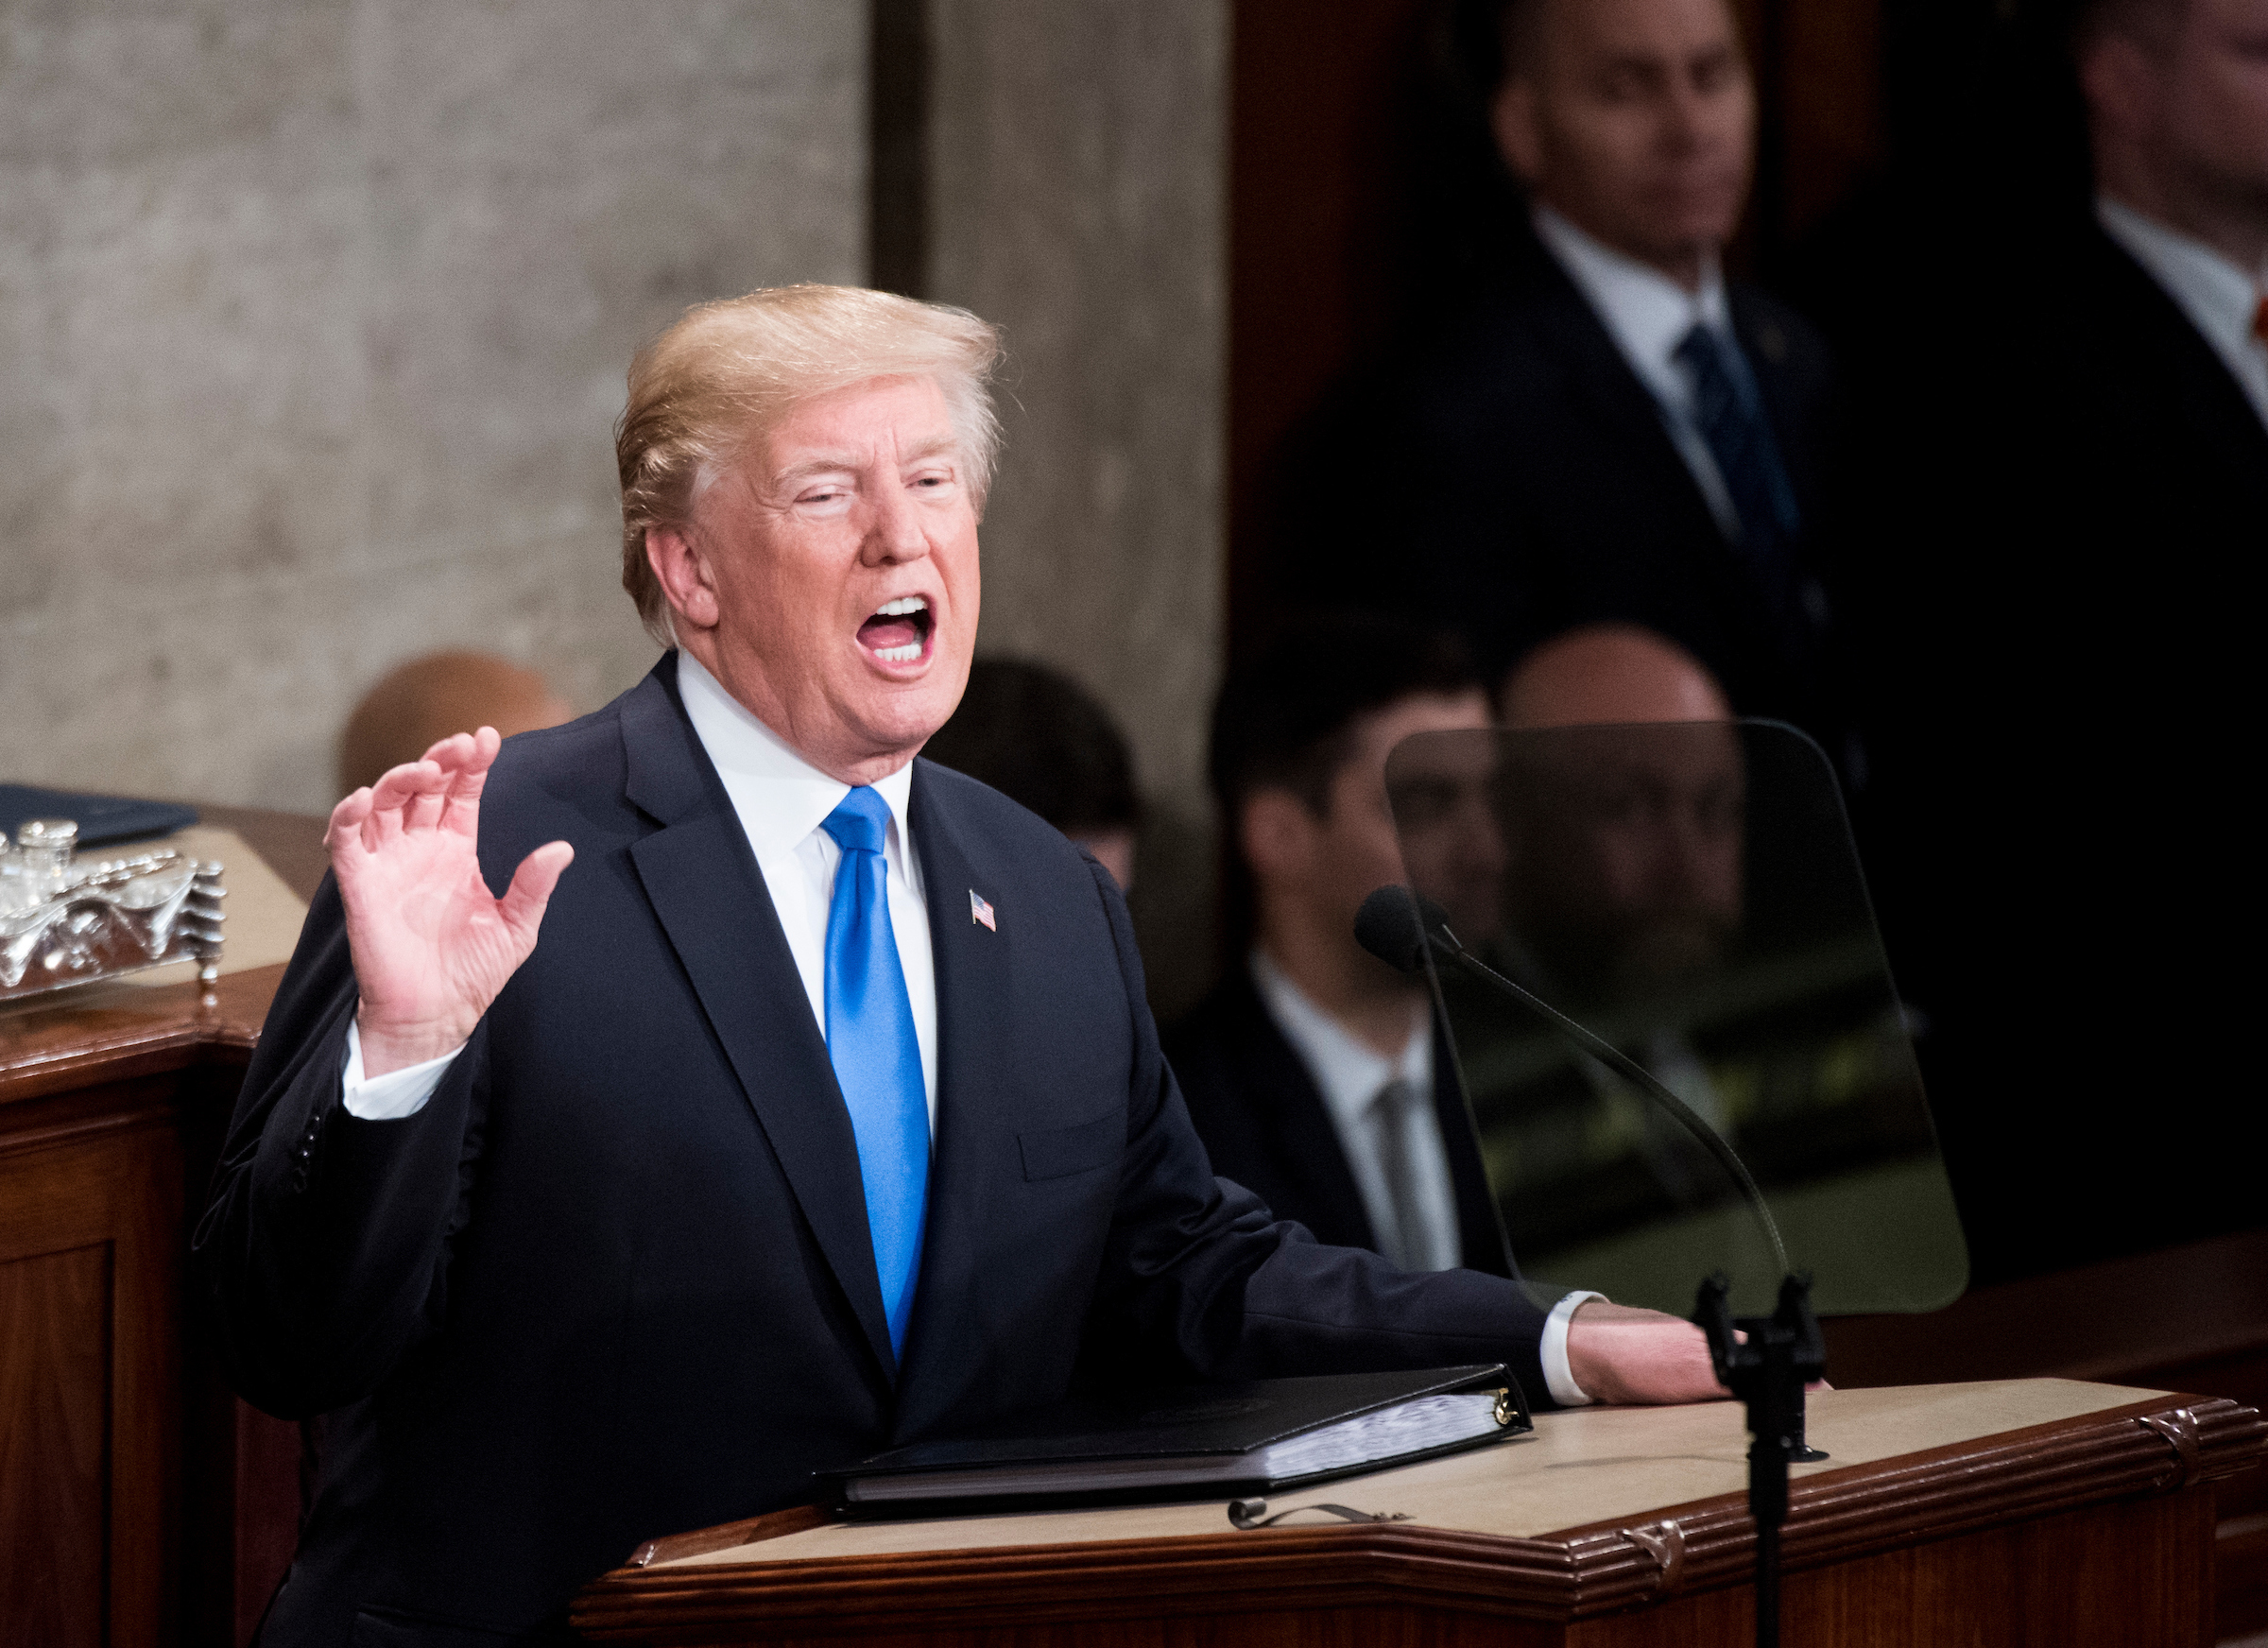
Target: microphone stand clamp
<point>1783,1354</point>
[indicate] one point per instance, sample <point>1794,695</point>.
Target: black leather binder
<point>101,819</point>
<point>1218,1441</point>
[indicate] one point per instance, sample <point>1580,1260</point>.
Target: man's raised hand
<point>431,947</point>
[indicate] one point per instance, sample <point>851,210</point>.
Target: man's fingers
<point>467,778</point>
<point>391,795</point>
<point>346,820</point>
<point>424,811</point>
<point>454,751</point>
<point>525,900</point>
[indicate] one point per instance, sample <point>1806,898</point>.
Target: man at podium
<point>825,1113</point>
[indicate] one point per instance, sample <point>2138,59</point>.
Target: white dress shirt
<point>782,801</point>
<point>1648,315</point>
<point>2220,298</point>
<point>1348,1073</point>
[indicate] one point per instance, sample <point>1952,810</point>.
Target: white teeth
<point>906,654</point>
<point>901,606</point>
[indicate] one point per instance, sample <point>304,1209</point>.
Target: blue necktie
<point>877,1061</point>
<point>1730,416</point>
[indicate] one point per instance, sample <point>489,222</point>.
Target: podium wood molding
<point>141,1505</point>
<point>2160,1445</point>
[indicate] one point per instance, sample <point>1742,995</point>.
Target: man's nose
<point>1684,117</point>
<point>895,531</point>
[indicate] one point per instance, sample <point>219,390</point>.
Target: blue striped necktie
<point>877,1061</point>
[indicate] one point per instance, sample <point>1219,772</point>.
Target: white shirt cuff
<point>1559,1378</point>
<point>403,1092</point>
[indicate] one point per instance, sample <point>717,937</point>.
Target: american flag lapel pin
<point>981,913</point>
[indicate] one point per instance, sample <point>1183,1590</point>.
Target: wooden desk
<point>140,1502</point>
<point>2048,1512</point>
<point>2191,1318</point>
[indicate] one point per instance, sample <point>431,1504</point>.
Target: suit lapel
<point>1602,383</point>
<point>703,883</point>
<point>973,1036</point>
<point>1305,1139</point>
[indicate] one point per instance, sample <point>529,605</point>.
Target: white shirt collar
<point>1347,1071</point>
<point>2217,294</point>
<point>781,798</point>
<point>1647,313</point>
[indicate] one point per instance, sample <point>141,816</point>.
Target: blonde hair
<point>708,388</point>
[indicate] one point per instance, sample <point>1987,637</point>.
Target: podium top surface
<point>1580,1468</point>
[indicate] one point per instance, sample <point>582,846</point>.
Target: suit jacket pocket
<point>1056,1152</point>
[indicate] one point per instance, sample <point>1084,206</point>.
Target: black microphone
<point>1399,926</point>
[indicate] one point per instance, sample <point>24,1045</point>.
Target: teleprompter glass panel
<point>1691,894</point>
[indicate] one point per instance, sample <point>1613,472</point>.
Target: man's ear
<point>1516,123</point>
<point>1278,835</point>
<point>678,562</point>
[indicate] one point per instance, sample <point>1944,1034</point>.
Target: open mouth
<point>899,630</point>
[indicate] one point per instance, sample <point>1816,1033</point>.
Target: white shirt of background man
<point>2219,299</point>
<point>1648,315</point>
<point>1349,1075</point>
<point>781,801</point>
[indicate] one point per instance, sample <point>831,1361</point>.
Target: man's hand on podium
<point>431,947</point>
<point>1619,1353</point>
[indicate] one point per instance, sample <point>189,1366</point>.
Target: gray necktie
<point>1404,1238</point>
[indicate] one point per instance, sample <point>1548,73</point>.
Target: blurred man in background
<point>416,705</point>
<point>1044,742</point>
<point>1624,853</point>
<point>1312,1072</point>
<point>1615,432</point>
<point>2177,117</point>
<point>2074,480</point>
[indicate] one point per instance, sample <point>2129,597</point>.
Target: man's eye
<point>1625,86</point>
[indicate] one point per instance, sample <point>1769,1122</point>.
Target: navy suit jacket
<point>614,1280</point>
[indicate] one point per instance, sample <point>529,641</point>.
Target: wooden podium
<point>140,1502</point>
<point>2015,1512</point>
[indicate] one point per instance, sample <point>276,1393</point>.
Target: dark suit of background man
<point>826,1115</point>
<point>2059,652</point>
<point>1612,432</point>
<point>1312,1072</point>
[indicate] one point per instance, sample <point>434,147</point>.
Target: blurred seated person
<point>1313,1071</point>
<point>1044,742</point>
<point>416,705</point>
<point>1612,431</point>
<point>1623,829</point>
<point>1606,675</point>
<point>1623,872</point>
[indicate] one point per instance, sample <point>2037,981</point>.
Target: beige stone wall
<point>315,314</point>
<point>314,318</point>
<point>1078,177</point>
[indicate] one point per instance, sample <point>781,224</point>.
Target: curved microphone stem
<point>1441,939</point>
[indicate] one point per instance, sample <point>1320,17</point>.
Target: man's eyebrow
<point>827,463</point>
<point>1634,63</point>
